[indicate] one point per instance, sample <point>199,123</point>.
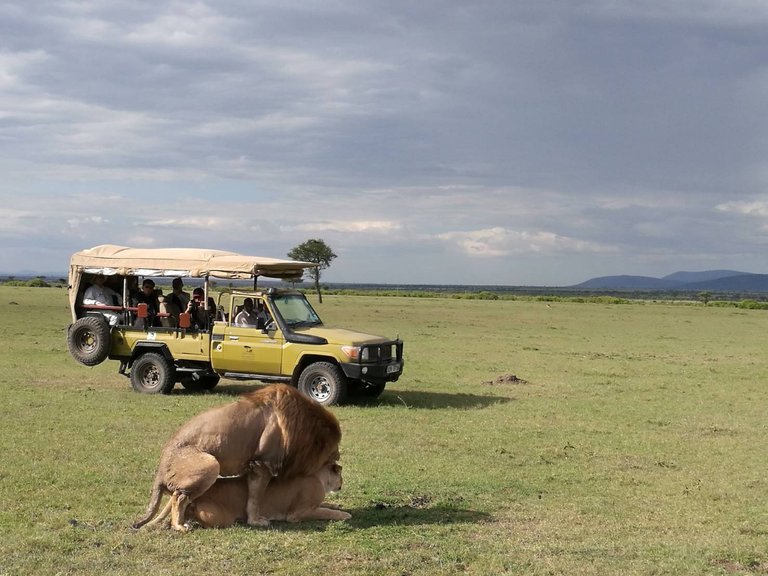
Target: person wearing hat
<point>97,294</point>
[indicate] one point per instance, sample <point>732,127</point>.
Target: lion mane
<point>273,431</point>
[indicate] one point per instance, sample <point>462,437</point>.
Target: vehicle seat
<point>170,308</point>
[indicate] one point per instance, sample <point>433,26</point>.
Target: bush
<point>485,295</point>
<point>753,305</point>
<point>38,282</point>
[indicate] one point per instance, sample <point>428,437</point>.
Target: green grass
<point>632,442</point>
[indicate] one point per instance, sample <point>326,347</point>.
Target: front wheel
<point>324,382</point>
<point>152,373</point>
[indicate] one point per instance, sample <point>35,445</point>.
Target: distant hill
<point>626,283</point>
<point>739,283</point>
<point>708,280</point>
<point>705,276</point>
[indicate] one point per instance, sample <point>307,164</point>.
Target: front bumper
<point>384,363</point>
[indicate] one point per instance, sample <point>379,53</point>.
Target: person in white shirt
<point>247,316</point>
<point>97,294</point>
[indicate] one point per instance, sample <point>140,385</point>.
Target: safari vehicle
<point>289,344</point>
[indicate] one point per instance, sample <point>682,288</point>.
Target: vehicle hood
<point>342,336</point>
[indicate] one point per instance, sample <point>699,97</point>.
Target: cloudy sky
<point>490,142</point>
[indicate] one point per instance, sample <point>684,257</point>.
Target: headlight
<point>352,352</point>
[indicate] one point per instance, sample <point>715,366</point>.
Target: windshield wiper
<point>300,323</point>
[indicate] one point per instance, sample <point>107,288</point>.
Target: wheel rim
<point>150,377</point>
<point>320,388</point>
<point>86,341</point>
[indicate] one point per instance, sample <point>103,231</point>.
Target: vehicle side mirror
<point>185,320</point>
<point>142,310</point>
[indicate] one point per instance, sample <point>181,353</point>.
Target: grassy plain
<point>631,440</point>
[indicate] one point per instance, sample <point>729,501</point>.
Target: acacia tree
<point>317,251</point>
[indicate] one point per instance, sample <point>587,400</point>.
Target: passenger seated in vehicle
<point>179,294</point>
<point>148,296</point>
<point>97,294</point>
<point>262,316</point>
<point>247,316</point>
<point>201,318</point>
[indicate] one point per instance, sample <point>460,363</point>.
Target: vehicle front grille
<point>382,353</point>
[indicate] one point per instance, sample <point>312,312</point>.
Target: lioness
<point>273,431</point>
<point>294,500</point>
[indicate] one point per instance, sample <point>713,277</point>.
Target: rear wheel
<point>153,373</point>
<point>324,382</point>
<point>88,340</point>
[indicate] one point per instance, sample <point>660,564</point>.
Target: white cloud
<point>181,25</point>
<point>752,208</point>
<point>364,226</point>
<point>498,241</point>
<point>12,67</point>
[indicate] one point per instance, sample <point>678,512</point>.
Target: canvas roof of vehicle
<point>109,260</point>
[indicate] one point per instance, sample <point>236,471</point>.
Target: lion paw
<point>258,522</point>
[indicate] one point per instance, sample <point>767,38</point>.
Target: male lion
<point>274,431</point>
<point>294,500</point>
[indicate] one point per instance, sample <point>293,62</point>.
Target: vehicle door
<point>246,349</point>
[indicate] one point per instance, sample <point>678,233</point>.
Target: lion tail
<point>154,503</point>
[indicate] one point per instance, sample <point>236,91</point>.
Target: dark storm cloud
<point>602,137</point>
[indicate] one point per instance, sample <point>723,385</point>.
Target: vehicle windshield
<point>296,311</point>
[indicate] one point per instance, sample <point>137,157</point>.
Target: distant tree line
<point>36,282</point>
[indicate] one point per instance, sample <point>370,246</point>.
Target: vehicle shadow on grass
<point>403,398</point>
<point>434,400</point>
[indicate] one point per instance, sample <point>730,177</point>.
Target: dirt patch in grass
<point>750,566</point>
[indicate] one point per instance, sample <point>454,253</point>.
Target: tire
<point>207,381</point>
<point>89,340</point>
<point>153,373</point>
<point>324,383</point>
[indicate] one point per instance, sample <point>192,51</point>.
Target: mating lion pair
<point>275,432</point>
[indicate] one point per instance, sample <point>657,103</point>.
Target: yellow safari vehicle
<point>280,338</point>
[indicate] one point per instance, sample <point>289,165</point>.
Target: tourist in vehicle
<point>148,296</point>
<point>201,318</point>
<point>132,285</point>
<point>247,316</point>
<point>98,294</point>
<point>262,316</point>
<point>178,296</point>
